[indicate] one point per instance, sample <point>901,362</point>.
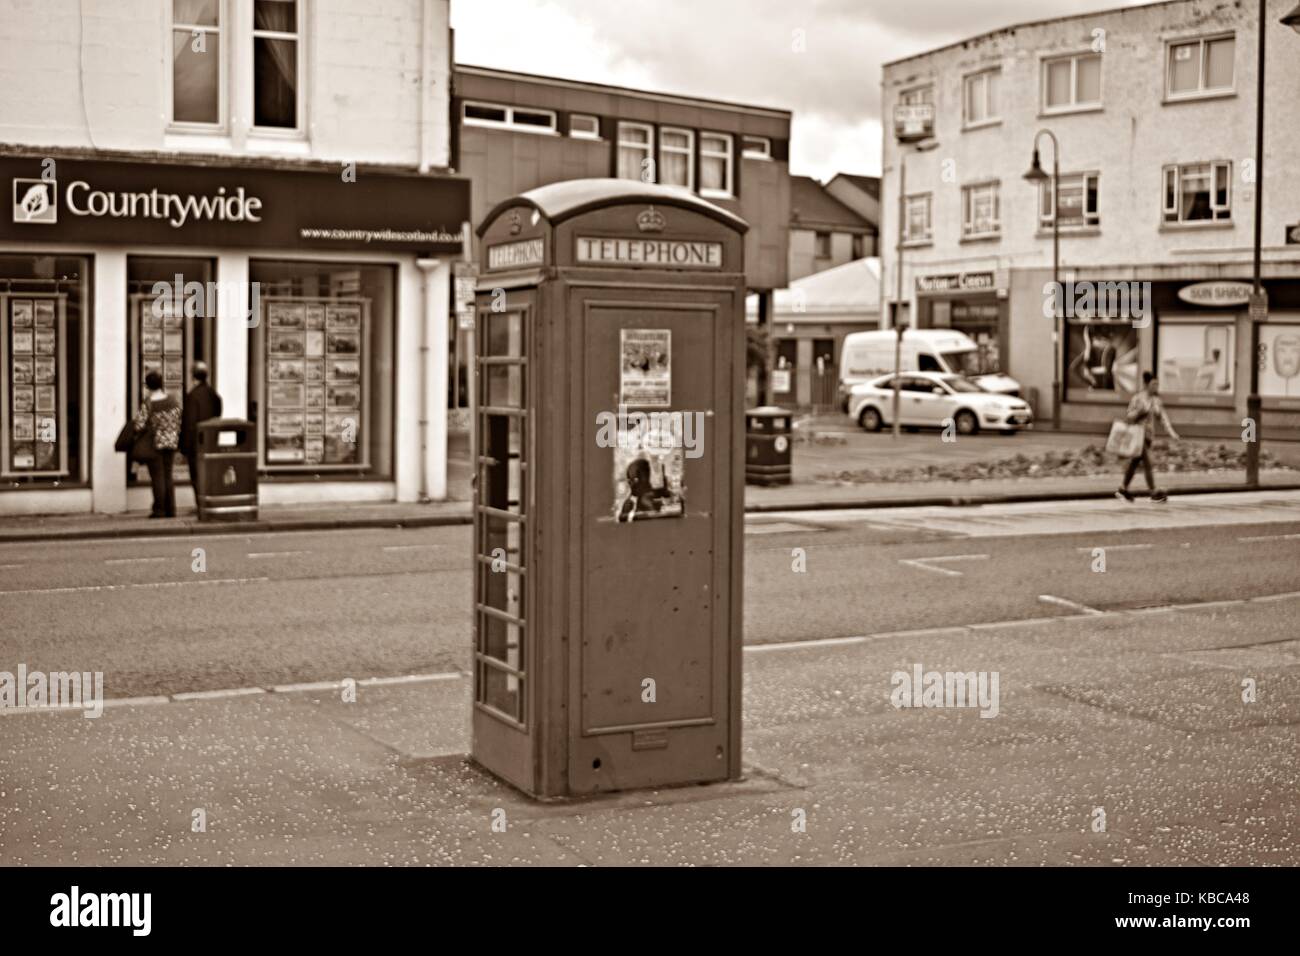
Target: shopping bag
<point>125,438</point>
<point>1125,440</point>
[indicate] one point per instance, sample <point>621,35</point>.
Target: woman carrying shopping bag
<point>1144,408</point>
<point>158,424</point>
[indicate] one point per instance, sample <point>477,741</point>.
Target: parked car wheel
<point>967,423</point>
<point>870,419</point>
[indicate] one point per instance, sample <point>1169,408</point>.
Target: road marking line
<point>10,567</point>
<point>1285,596</point>
<point>409,679</point>
<point>920,563</point>
<point>135,701</point>
<point>1072,605</point>
<point>218,694</point>
<point>1271,537</point>
<point>411,547</point>
<point>1118,547</point>
<point>130,587</point>
<point>274,554</point>
<point>133,560</point>
<point>1200,605</point>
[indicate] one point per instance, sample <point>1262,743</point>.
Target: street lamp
<point>923,146</point>
<point>1038,177</point>
<point>1259,298</point>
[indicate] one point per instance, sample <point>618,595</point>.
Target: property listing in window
<point>323,360</point>
<point>33,407</point>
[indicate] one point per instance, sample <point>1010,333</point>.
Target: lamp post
<point>1259,298</point>
<point>920,147</point>
<point>1038,177</point>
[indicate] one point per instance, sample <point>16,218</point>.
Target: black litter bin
<point>227,470</point>
<point>767,446</point>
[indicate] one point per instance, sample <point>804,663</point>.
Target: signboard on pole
<point>1259,306</point>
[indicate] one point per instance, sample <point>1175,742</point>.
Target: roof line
<point>1029,23</point>
<point>773,111</point>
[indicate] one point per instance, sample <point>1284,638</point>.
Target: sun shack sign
<point>112,201</point>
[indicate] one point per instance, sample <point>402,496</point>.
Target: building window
<point>198,66</point>
<point>857,247</point>
<point>583,126</point>
<point>636,152</point>
<point>822,245</point>
<point>322,367</point>
<point>677,157</point>
<point>1201,66</point>
<point>1079,202</point>
<point>980,215</point>
<point>1072,82</point>
<point>1198,192</point>
<point>508,117</point>
<point>980,98</point>
<point>44,369</point>
<point>916,219</point>
<point>757,147</point>
<point>715,165</point>
<point>1279,357</point>
<point>917,96</point>
<point>276,65</point>
<point>1102,359</point>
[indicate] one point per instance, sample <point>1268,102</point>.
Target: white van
<point>867,355</point>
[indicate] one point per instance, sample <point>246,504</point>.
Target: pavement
<point>842,448</point>
<point>1121,735</point>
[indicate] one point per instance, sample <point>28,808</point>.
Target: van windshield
<point>964,362</point>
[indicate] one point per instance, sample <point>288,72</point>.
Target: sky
<point>744,50</point>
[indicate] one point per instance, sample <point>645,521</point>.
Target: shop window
<point>44,369</point>
<point>1195,359</point>
<point>198,75</point>
<point>715,165</point>
<point>980,98</point>
<point>1200,67</point>
<point>277,80</point>
<point>636,152</point>
<point>1080,202</point>
<point>1198,192</point>
<point>677,157</point>
<point>172,308</point>
<point>322,368</point>
<point>1279,352</point>
<point>980,215</point>
<point>1071,82</point>
<point>1102,360</point>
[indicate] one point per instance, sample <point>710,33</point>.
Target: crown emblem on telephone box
<point>651,220</point>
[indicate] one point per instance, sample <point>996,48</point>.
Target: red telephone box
<point>608,511</point>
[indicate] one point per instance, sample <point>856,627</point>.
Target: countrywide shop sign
<point>162,203</point>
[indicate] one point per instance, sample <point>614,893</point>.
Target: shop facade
<point>318,298</point>
<point>969,302</point>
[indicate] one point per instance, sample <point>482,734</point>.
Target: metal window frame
<point>298,131</point>
<point>1202,62</point>
<point>688,150</point>
<point>727,158</point>
<point>222,125</point>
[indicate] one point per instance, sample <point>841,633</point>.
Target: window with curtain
<point>677,157</point>
<point>197,64</point>
<point>275,64</point>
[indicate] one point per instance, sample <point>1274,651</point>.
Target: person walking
<point>1143,409</point>
<point>160,416</point>
<point>201,403</point>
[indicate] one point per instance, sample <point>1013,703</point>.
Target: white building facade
<point>261,185</point>
<point>1154,110</point>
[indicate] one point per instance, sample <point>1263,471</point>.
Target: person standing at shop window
<point>1144,408</point>
<point>160,417</point>
<point>201,403</point>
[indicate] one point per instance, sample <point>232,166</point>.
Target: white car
<point>933,400</point>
